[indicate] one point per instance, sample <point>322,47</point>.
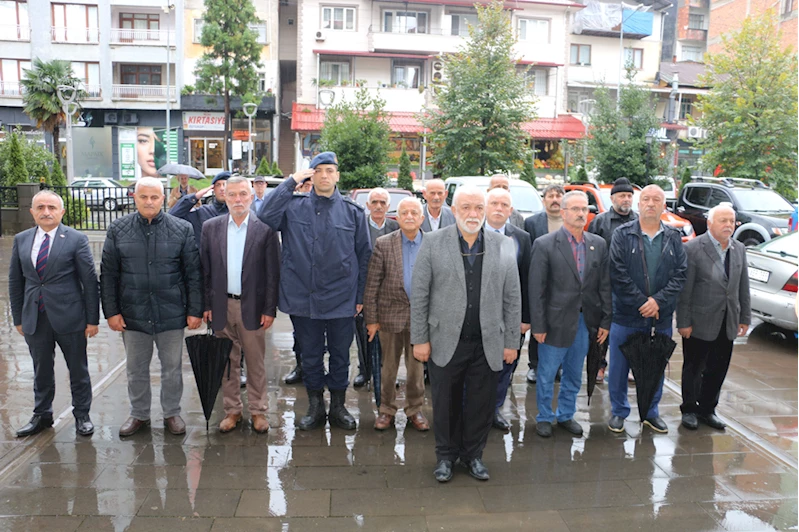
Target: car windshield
<point>785,246</point>
<point>759,200</point>
<point>116,183</point>
<point>526,199</point>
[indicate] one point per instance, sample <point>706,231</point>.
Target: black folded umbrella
<point>209,356</point>
<point>362,339</point>
<point>648,354</point>
<point>593,361</point>
<point>375,357</point>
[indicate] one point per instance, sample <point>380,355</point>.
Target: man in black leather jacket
<point>151,287</point>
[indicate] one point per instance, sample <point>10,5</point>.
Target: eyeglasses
<point>578,210</point>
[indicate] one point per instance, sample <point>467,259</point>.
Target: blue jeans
<point>618,369</point>
<point>549,360</point>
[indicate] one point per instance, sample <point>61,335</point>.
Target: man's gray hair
<point>468,190</point>
<point>378,190</point>
<point>43,193</point>
<point>572,194</point>
<point>149,182</point>
<point>239,179</point>
<point>723,206</point>
<point>556,188</point>
<point>499,192</point>
<point>411,199</point>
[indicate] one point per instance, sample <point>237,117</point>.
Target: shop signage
<point>203,121</point>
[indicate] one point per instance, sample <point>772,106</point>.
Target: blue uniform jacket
<point>326,251</point>
<point>182,210</point>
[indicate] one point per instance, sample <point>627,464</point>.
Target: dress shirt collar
<point>374,224</point>
<point>501,230</point>
<point>417,240</point>
<point>243,224</point>
<point>717,244</point>
<point>571,237</point>
<point>41,232</point>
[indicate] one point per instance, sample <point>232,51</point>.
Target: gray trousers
<point>139,348</point>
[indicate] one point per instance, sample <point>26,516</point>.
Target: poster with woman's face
<point>150,151</point>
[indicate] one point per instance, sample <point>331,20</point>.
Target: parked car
<point>360,195</point>
<point>761,214</point>
<point>599,202</point>
<point>773,268</point>
<point>526,199</point>
<point>102,192</point>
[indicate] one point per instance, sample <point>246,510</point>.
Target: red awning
<point>677,127</point>
<point>563,127</point>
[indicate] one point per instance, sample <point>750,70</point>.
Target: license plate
<point>759,275</point>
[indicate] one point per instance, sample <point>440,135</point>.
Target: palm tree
<point>40,95</point>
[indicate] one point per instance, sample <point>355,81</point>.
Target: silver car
<point>773,268</point>
<point>102,193</point>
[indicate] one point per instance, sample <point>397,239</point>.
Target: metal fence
<point>9,197</point>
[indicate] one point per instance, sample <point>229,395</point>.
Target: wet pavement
<point>744,479</point>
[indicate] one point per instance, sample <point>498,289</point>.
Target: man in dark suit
<point>569,295</point>
<point>538,225</point>
<point>52,275</point>
<point>498,208</point>
<point>436,214</point>
<point>712,310</point>
<point>241,270</point>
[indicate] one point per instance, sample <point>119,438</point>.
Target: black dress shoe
<point>572,426</point>
<point>35,425</point>
<point>359,381</point>
<point>616,424</point>
<point>543,429</point>
<point>294,377</point>
<point>84,425</point>
<point>531,376</point>
<point>500,422</point>
<point>712,421</point>
<point>443,471</point>
<point>656,424</point>
<point>689,421</point>
<point>477,469</point>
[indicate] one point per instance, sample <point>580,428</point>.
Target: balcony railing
<point>142,37</point>
<point>152,93</point>
<point>10,89</point>
<point>701,4</point>
<point>92,91</point>
<point>13,32</point>
<point>75,35</point>
<point>695,35</point>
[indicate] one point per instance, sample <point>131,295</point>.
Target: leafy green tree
<point>617,136</point>
<point>263,167</point>
<point>229,65</point>
<point>404,179</point>
<point>276,171</point>
<point>40,95</point>
<point>582,175</point>
<point>15,170</point>
<point>57,177</point>
<point>476,122</point>
<point>528,172</point>
<point>750,111</point>
<point>358,132</point>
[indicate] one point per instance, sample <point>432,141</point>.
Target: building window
<point>577,95</point>
<point>686,109</point>
<point>634,56</point>
<point>405,22</point>
<point>692,53</point>
<point>787,6</point>
<point>696,22</point>
<point>580,54</point>
<point>535,30</point>
<point>75,23</point>
<point>140,74</point>
<point>337,70</point>
<point>260,31</point>
<point>17,25</point>
<point>338,18</point>
<point>406,74</point>
<point>89,74</point>
<point>11,72</point>
<point>538,81</point>
<point>198,30</point>
<point>461,23</point>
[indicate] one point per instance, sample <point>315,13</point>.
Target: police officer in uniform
<point>326,253</point>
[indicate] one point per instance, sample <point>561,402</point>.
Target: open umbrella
<point>375,357</point>
<point>209,355</point>
<point>593,361</point>
<point>648,353</point>
<point>181,169</point>
<point>361,338</point>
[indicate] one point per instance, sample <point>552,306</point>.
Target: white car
<point>101,192</point>
<point>525,197</point>
<point>773,280</point>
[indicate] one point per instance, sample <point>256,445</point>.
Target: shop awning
<point>563,127</point>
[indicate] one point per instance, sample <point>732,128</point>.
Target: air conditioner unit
<point>437,71</point>
<point>695,132</point>
<point>111,118</point>
<point>320,36</point>
<point>130,118</point>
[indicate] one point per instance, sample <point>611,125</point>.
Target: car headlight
<point>777,231</point>
<point>688,229</point>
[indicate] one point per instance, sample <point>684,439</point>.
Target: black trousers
<point>461,424</point>
<point>704,368</point>
<point>41,345</point>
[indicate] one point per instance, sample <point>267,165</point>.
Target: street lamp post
<point>250,109</point>
<point>649,139</point>
<point>168,9</point>
<point>621,48</point>
<point>67,95</point>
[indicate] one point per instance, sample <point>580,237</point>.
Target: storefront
<point>204,133</point>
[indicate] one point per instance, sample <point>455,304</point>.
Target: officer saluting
<point>323,273</point>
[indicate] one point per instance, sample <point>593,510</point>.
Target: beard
<point>462,225</point>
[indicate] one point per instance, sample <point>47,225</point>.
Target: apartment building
<point>727,16</point>
<point>134,58</point>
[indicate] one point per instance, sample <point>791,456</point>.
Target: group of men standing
<point>456,289</point>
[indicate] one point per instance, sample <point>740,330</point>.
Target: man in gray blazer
<point>569,295</point>
<point>712,310</point>
<point>465,318</point>
<point>436,214</point>
<point>55,299</point>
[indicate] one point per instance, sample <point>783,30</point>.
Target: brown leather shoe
<point>419,422</point>
<point>259,423</point>
<point>175,425</point>
<point>383,421</point>
<point>229,423</point>
<point>132,426</point>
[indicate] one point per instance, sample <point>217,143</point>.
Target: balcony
<point>692,34</point>
<point>12,32</point>
<point>10,89</point>
<point>701,4</point>
<point>143,93</point>
<point>396,99</point>
<point>431,43</point>
<point>74,35</point>
<point>93,92</point>
<point>143,37</point>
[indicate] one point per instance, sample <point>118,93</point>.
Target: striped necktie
<point>41,264</point>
